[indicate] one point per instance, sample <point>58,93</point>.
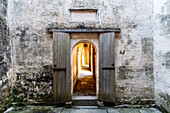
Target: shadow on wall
<point>34,86</point>
<point>5,59</point>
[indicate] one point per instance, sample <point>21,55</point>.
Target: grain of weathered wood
<point>61,59</point>
<point>108,61</point>
<point>106,70</point>
<point>68,72</point>
<point>100,64</point>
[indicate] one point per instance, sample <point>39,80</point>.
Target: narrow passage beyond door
<point>84,76</point>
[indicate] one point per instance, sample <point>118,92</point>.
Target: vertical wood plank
<point>108,61</point>
<point>100,65</point>
<point>104,60</point>
<point>68,71</point>
<point>54,61</point>
<point>61,77</point>
<point>107,73</point>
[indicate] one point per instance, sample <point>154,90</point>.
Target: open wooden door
<point>61,68</point>
<point>106,67</point>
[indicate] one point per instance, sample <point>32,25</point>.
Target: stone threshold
<point>85,98</point>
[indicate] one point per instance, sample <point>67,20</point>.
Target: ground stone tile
<point>57,110</point>
<point>89,109</point>
<point>149,110</point>
<point>84,111</point>
<point>111,110</point>
<point>128,110</point>
<point>85,86</point>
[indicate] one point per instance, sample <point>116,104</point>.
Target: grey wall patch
<point>167,60</point>
<point>147,46</point>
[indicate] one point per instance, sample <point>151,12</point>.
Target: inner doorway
<point>84,70</point>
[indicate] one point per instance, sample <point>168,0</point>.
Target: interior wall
<point>80,56</point>
<point>91,58</point>
<point>86,54</point>
<point>96,57</point>
<point>75,76</point>
<point>162,53</point>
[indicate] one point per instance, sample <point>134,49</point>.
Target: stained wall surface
<point>5,57</point>
<point>32,46</point>
<point>162,53</point>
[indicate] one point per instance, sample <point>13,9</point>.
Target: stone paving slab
<point>149,110</point>
<point>85,86</point>
<point>57,110</point>
<point>111,110</point>
<point>83,109</point>
<point>133,110</point>
<point>128,110</point>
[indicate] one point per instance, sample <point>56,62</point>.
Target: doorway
<point>102,45</point>
<point>84,70</point>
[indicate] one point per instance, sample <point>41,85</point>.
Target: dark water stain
<point>167,60</point>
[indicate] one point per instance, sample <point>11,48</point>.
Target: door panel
<point>106,67</point>
<point>61,69</point>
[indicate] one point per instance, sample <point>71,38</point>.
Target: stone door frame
<point>95,43</point>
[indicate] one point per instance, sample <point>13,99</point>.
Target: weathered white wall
<point>32,45</point>
<point>162,53</point>
<point>5,58</point>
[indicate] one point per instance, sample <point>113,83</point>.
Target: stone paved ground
<point>83,109</point>
<point>86,86</point>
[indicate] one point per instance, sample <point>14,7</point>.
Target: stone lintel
<point>84,30</point>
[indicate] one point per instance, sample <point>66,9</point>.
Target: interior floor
<point>86,84</point>
<point>85,72</point>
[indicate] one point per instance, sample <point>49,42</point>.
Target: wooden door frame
<point>82,30</point>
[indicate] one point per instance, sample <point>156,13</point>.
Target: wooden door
<point>61,68</point>
<point>106,67</point>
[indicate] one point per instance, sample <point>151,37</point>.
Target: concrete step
<point>84,100</point>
